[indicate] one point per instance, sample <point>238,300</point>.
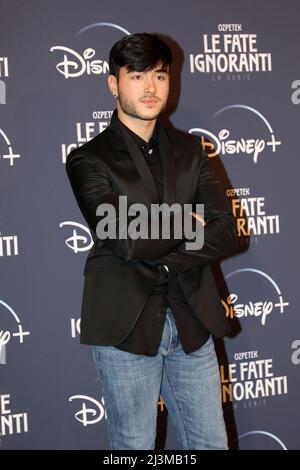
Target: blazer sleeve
<point>91,185</point>
<point>220,233</point>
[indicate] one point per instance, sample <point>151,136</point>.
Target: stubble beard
<point>130,109</point>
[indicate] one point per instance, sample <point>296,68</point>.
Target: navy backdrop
<point>237,87</point>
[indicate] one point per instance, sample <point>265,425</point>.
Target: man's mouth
<point>149,100</point>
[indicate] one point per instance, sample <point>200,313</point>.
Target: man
<point>150,305</point>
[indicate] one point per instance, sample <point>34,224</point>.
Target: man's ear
<point>112,85</point>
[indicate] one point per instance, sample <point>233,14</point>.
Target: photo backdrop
<point>236,86</point>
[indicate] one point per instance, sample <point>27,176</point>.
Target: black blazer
<point>120,274</point>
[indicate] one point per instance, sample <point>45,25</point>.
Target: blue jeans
<point>188,383</point>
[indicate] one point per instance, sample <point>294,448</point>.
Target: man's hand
<point>198,217</point>
<point>174,261</point>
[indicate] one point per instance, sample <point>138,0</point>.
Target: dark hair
<point>139,52</point>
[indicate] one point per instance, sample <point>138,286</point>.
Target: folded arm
<point>220,233</point>
<point>91,187</point>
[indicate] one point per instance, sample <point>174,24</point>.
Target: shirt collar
<point>143,144</point>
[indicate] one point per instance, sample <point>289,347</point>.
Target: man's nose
<point>150,84</point>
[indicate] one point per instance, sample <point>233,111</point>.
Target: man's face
<point>143,95</point>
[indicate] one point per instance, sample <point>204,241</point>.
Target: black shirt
<point>145,337</point>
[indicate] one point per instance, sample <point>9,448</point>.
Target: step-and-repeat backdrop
<point>237,86</point>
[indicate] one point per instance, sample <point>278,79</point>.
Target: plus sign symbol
<point>7,154</point>
<point>273,143</point>
<point>11,330</point>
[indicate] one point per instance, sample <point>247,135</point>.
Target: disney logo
<point>255,309</point>
<point>74,65</point>
<point>73,242</point>
<point>221,144</point>
<point>88,415</point>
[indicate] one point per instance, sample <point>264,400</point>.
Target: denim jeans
<point>188,383</point>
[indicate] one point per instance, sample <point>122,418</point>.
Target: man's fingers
<point>198,217</point>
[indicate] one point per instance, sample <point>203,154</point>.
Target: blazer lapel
<point>167,162</point>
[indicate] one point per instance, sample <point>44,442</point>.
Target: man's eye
<point>161,77</point>
<point>136,77</point>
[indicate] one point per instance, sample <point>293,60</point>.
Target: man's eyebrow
<point>155,70</point>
